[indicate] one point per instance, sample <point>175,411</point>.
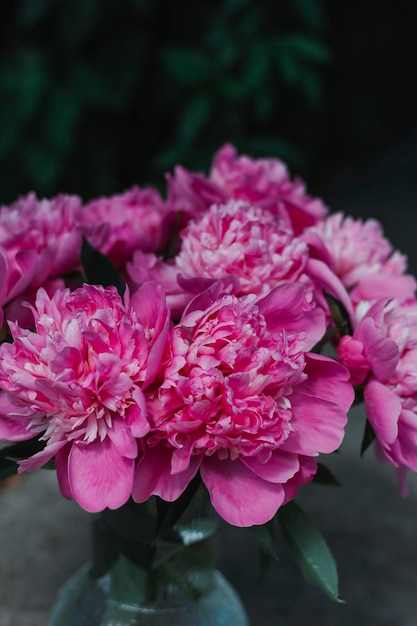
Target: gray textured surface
<point>372,531</point>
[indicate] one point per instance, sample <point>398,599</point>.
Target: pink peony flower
<point>242,400</point>
<point>246,241</point>
<point>78,382</point>
<point>369,349</point>
<point>191,193</point>
<point>363,259</point>
<point>264,182</point>
<point>391,400</point>
<point>40,237</point>
<point>120,224</point>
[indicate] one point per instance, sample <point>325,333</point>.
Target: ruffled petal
<point>285,307</point>
<point>14,420</point>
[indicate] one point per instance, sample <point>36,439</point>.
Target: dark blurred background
<point>96,95</point>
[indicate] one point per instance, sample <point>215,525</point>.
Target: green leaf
<point>187,66</point>
<point>233,88</point>
<point>368,437</point>
<point>257,66</point>
<point>62,117</point>
<point>324,476</point>
<point>193,119</point>
<point>339,315</point>
<point>310,11</point>
<point>98,269</point>
<point>88,84</point>
<point>264,537</point>
<point>308,48</point>
<point>23,80</point>
<point>7,468</point>
<point>123,531</point>
<point>288,65</point>
<point>168,513</point>
<point>309,549</point>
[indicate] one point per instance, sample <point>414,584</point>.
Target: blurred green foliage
<point>98,94</point>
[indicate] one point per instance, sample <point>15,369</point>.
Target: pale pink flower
<point>264,182</point>
<point>243,240</point>
<point>363,259</point>
<point>242,400</point>
<point>192,194</point>
<point>120,224</point>
<point>391,401</point>
<point>41,235</point>
<point>78,381</point>
<point>371,349</point>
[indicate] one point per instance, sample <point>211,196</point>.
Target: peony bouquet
<point>214,337</point>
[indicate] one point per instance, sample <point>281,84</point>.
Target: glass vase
<point>136,580</point>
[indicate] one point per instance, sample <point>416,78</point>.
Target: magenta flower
<point>264,182</point>
<point>246,241</point>
<point>369,350</point>
<point>78,381</point>
<point>46,229</point>
<point>391,400</point>
<point>120,224</point>
<point>363,259</point>
<point>242,400</point>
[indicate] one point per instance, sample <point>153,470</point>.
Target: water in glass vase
<point>171,582</point>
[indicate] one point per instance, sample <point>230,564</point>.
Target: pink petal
<point>381,353</point>
<point>61,464</point>
<point>137,415</point>
<point>217,288</point>
<point>327,281</point>
<point>98,476</point>
<point>4,273</point>
<point>153,475</point>
<point>239,496</point>
<point>14,420</point>
<point>278,469</point>
<point>41,458</point>
<point>383,409</point>
<point>150,306</point>
<point>285,307</point>
<point>327,379</point>
<point>308,468</point>
<point>123,439</point>
<point>377,286</point>
<point>25,263</point>
<point>319,425</point>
